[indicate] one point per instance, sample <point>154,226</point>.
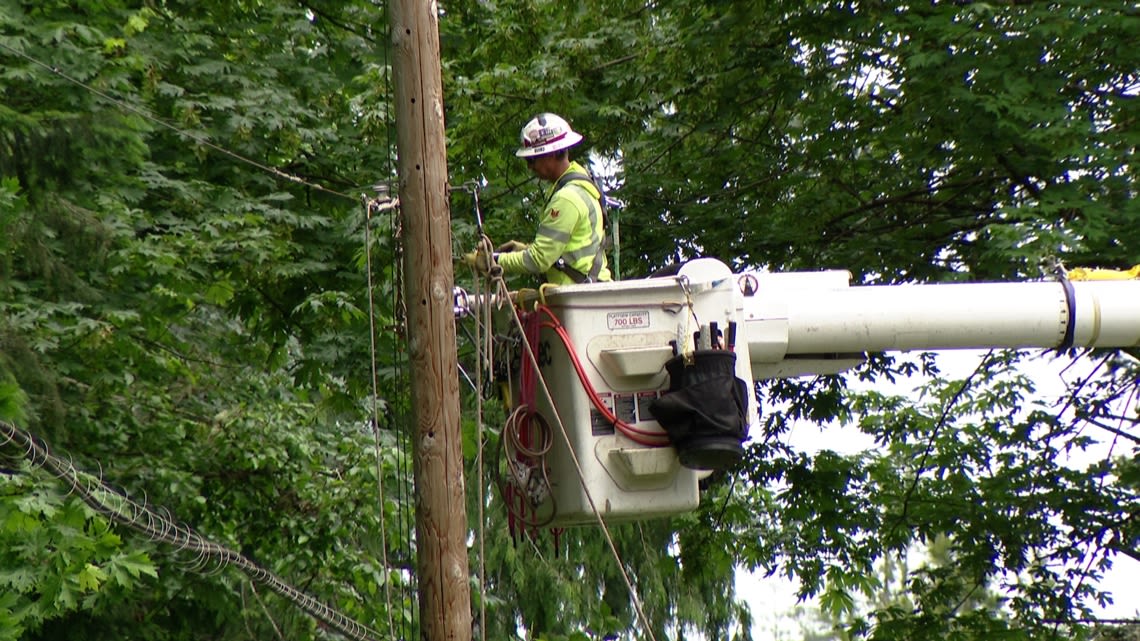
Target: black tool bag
<point>705,410</point>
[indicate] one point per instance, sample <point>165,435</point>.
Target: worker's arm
<point>554,231</point>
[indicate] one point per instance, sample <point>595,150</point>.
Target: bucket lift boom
<point>618,335</point>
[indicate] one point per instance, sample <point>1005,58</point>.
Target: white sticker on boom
<point>628,320</point>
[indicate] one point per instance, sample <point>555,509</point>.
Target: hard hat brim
<point>569,140</point>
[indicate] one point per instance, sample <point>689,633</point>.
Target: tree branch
<point>1117,431</point>
<point>942,420</point>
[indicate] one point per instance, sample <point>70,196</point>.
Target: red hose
<point>639,436</point>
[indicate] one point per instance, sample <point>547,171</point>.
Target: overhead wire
<point>201,140</point>
<point>165,530</point>
<point>120,508</point>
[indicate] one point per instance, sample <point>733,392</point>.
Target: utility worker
<point>569,244</point>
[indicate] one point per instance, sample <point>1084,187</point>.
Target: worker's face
<point>543,166</point>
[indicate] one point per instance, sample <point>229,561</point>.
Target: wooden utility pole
<point>441,517</point>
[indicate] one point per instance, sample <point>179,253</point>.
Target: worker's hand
<point>479,261</point>
<point>512,246</point>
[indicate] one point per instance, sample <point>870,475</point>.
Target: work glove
<point>478,261</point>
<point>512,246</point>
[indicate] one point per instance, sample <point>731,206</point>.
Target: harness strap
<point>602,198</point>
<point>592,205</point>
<point>575,275</point>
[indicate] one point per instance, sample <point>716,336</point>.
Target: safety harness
<point>562,264</point>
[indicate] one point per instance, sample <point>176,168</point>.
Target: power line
<point>121,509</point>
<point>201,140</point>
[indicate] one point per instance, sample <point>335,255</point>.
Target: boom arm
<point>799,323</point>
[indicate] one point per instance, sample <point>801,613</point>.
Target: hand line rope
<point>120,508</point>
<point>501,286</point>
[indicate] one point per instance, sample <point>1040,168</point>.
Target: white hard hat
<point>546,133</point>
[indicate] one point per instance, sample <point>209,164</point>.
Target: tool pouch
<point>705,410</point>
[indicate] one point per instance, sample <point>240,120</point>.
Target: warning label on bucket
<point>599,424</point>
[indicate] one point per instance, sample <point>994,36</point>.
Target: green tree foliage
<point>186,321</point>
<point>184,303</point>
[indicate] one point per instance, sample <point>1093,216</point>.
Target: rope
<point>121,509</point>
<point>526,491</point>
<point>205,142</point>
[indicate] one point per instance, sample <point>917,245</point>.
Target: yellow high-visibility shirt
<point>572,228</point>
